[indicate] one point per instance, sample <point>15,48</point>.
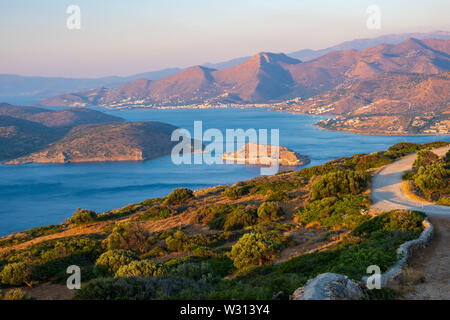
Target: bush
<point>270,211</point>
<point>278,196</point>
<point>83,216</point>
<point>143,268</point>
<point>240,217</point>
<point>435,144</point>
<point>136,288</point>
<point>447,157</point>
<point>179,196</point>
<point>332,212</point>
<point>338,184</point>
<point>433,180</point>
<point>155,213</point>
<point>402,148</point>
<point>425,158</point>
<point>111,261</point>
<point>129,236</point>
<point>177,241</point>
<point>444,201</point>
<point>236,192</point>
<point>16,274</point>
<point>17,294</point>
<point>195,271</point>
<point>252,249</point>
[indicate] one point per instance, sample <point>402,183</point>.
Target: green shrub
<point>236,192</point>
<point>425,158</point>
<point>155,213</point>
<point>194,271</point>
<point>83,216</point>
<point>152,201</point>
<point>136,288</point>
<point>240,217</point>
<point>270,211</point>
<point>433,180</point>
<point>402,148</point>
<point>332,212</point>
<point>129,236</point>
<point>179,196</point>
<point>447,157</point>
<point>142,268</point>
<point>444,201</point>
<point>435,144</point>
<point>111,261</point>
<point>338,184</point>
<point>17,294</point>
<point>16,274</point>
<point>177,241</point>
<point>206,214</point>
<point>252,249</point>
<point>278,196</point>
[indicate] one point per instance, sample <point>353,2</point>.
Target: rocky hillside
<point>268,77</point>
<point>257,239</point>
<point>24,130</point>
<point>107,142</point>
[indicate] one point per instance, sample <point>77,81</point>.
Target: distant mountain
<point>357,44</point>
<point>135,141</point>
<point>269,77</point>
<point>58,118</point>
<point>27,89</point>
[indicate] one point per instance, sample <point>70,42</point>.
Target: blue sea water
<point>41,194</point>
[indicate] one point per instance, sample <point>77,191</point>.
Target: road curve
<point>388,193</point>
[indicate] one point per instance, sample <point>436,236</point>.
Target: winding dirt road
<point>431,262</point>
<point>388,193</point>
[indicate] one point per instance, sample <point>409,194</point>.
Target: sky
<point>125,37</point>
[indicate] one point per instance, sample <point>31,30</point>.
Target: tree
<point>16,274</point>
<point>129,236</point>
<point>252,249</point>
<point>270,211</point>
<point>112,260</point>
<point>143,268</point>
<point>83,216</point>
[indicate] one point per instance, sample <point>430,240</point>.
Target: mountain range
<point>275,77</point>
<point>29,89</point>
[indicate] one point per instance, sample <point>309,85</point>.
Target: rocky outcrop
<point>330,286</point>
<point>260,154</point>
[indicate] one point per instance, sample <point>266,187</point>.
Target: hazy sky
<point>122,37</point>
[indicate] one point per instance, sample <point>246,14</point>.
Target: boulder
<point>330,286</point>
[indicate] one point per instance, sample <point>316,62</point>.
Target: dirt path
<point>430,264</point>
<point>388,193</point>
<point>433,264</point>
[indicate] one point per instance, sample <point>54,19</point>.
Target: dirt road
<point>388,193</point>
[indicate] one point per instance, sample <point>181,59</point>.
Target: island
<point>260,154</point>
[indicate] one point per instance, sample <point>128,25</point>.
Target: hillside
<point>107,142</point>
<point>200,245</point>
<point>268,77</point>
<point>24,130</point>
<point>20,137</point>
<point>59,118</point>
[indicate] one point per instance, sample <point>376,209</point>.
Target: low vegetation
<point>252,240</point>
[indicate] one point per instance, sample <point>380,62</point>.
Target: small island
<point>250,154</point>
